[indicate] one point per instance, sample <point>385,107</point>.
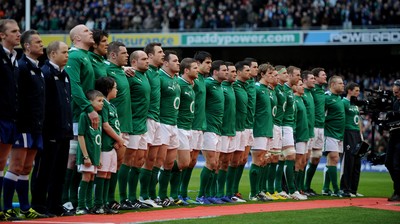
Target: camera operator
<point>392,162</point>
<point>351,164</point>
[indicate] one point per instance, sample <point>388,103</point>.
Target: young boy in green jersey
<point>111,141</point>
<point>88,153</point>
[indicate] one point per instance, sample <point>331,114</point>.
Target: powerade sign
<point>391,36</point>
<point>365,37</point>
<point>240,39</point>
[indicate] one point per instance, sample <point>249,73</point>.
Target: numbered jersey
<point>170,98</point>
<point>263,119</point>
<point>92,139</point>
<point>186,108</point>
<point>110,115</point>
<point>352,115</point>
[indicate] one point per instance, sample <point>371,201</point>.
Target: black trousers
<point>392,162</point>
<point>350,164</point>
<point>48,176</point>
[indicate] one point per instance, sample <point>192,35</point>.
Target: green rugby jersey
<point>334,116</point>
<point>263,118</point>
<point>99,67</point>
<point>274,102</point>
<point>280,105</point>
<point>154,80</point>
<point>214,105</point>
<point>170,98</point>
<point>228,124</point>
<point>140,102</point>
<point>110,115</point>
<point>92,140</point>
<point>81,74</point>
<point>186,108</point>
<point>301,133</point>
<point>310,107</point>
<point>241,104</point>
<point>318,93</point>
<point>288,118</point>
<point>251,104</point>
<point>352,115</point>
<point>123,100</point>
<point>199,120</point>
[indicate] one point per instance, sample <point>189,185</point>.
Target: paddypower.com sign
<point>240,39</point>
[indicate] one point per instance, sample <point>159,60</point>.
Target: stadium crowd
<point>192,15</point>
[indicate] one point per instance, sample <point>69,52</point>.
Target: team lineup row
<point>146,123</point>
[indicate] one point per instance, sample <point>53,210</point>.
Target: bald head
<point>139,61</point>
<point>81,36</point>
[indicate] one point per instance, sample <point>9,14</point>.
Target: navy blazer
<point>31,89</point>
<point>58,110</point>
<point>8,87</point>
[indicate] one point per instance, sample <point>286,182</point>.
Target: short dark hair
<point>316,71</point>
<point>149,48</point>
<point>26,37</point>
<point>250,60</point>
<point>305,73</point>
<point>228,63</point>
<point>104,85</point>
<point>168,53</point>
<point>201,56</point>
<point>113,47</point>
<point>351,86</point>
<point>92,94</point>
<point>97,36</point>
<point>215,65</point>
<point>240,65</point>
<point>186,63</point>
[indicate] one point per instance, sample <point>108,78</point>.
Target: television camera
<point>378,104</point>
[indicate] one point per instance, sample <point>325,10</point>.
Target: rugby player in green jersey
<point>351,164</point>
<point>117,56</point>
<point>248,132</point>
<point>189,72</point>
<point>204,60</point>
<point>308,99</point>
<point>333,132</point>
<point>318,93</point>
<point>301,134</point>
<point>228,132</point>
<point>80,71</point>
<point>272,163</point>
<point>136,149</point>
<point>212,134</point>
<point>243,74</point>
<point>288,124</point>
<point>97,53</point>
<point>169,108</point>
<point>263,133</point>
<point>149,172</point>
<point>277,159</point>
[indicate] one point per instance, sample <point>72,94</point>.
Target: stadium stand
<point>195,15</point>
